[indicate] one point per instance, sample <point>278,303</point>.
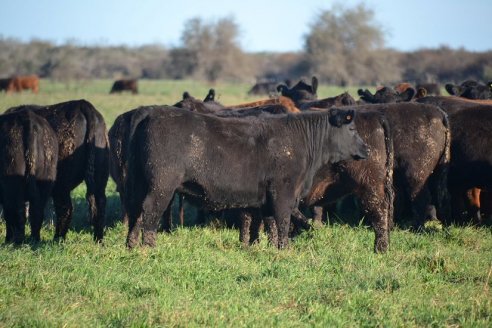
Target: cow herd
<point>406,155</point>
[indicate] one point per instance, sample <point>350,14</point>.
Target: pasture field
<point>202,276</point>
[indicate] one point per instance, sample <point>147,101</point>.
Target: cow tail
<point>134,175</point>
<point>389,192</point>
<point>97,168</point>
<point>90,140</point>
<point>29,140</point>
<point>439,181</point>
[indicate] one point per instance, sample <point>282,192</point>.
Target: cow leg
<point>153,206</point>
<point>134,227</point>
<point>36,213</point>
<point>16,221</point>
<point>38,198</point>
<point>421,202</point>
<point>181,209</point>
<point>271,230</point>
<point>282,212</point>
<point>458,201</point>
<point>63,210</point>
<point>245,230</point>
<point>486,206</point>
<point>256,225</point>
<point>378,210</point>
<point>318,213</point>
<point>96,199</point>
<point>473,204</point>
<point>300,220</point>
<point>250,226</point>
<point>124,213</point>
<point>167,218</point>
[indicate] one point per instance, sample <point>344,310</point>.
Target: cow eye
<point>348,118</point>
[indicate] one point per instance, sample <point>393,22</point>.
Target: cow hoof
<point>380,247</point>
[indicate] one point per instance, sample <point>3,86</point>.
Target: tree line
<point>344,46</point>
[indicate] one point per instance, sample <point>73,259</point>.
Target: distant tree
<point>210,50</point>
<point>343,45</point>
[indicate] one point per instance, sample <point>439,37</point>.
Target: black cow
<point>471,164</point>
<point>386,95</point>
<point>207,106</point>
<point>266,163</point>
<point>470,89</point>
<point>265,88</point>
<point>4,84</point>
<point>119,135</point>
<point>125,85</point>
<point>419,132</point>
<point>301,92</point>
<point>421,138</point>
<point>83,155</point>
<point>305,96</point>
<point>474,202</point>
<point>28,158</point>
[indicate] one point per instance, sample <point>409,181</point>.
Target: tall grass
<point>202,276</point>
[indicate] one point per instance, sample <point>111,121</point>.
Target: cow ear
<point>366,95</point>
<point>282,88</point>
<point>210,96</point>
<point>421,93</point>
<point>314,84</point>
<point>186,95</point>
<point>335,118</point>
<point>407,95</point>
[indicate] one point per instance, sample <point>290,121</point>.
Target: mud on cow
<point>266,163</point>
<point>28,158</point>
<point>83,155</point>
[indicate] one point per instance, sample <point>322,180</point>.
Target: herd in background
<point>407,155</point>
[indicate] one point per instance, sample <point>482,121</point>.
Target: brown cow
<point>20,83</point>
<point>281,100</point>
<point>402,87</point>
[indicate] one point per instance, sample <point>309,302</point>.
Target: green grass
<point>202,276</point>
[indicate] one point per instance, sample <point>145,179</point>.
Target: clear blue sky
<point>266,25</point>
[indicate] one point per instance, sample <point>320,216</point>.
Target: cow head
<point>452,89</point>
<point>301,91</point>
<point>470,89</point>
<point>386,95</point>
<point>346,99</point>
<point>344,140</point>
